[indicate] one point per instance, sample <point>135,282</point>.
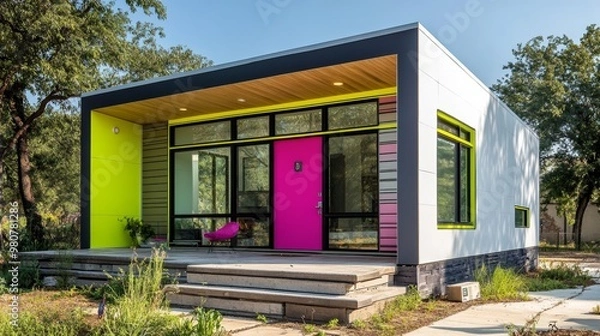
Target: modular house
<point>382,143</point>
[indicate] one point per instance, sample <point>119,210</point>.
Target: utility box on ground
<point>464,291</point>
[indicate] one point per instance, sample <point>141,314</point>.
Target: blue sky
<point>480,33</point>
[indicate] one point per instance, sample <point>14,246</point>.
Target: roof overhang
<point>365,63</point>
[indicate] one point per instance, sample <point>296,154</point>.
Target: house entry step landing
<point>309,286</point>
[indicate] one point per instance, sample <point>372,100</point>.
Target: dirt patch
<point>426,314</point>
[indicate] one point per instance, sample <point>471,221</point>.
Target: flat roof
<point>233,64</point>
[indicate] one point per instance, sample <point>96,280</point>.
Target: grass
<point>333,324</point>
<point>43,313</point>
<point>588,247</point>
<point>502,284</point>
<point>138,308</point>
<point>262,318</point>
<point>559,276</point>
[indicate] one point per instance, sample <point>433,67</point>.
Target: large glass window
<point>253,195</point>
<point>253,178</point>
<point>455,174</point>
<point>298,122</point>
<point>253,127</point>
<point>202,133</point>
<point>194,228</point>
<point>354,115</point>
<point>203,188</point>
<point>202,181</point>
<point>353,187</point>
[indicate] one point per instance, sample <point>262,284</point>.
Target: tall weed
<point>138,311</point>
<point>501,284</point>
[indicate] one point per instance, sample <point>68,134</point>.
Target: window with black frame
<point>253,195</point>
<point>353,187</point>
<point>202,201</point>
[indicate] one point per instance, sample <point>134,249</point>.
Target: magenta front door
<point>298,186</point>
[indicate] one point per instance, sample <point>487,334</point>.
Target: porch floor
<point>312,264</point>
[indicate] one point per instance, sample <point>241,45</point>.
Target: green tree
<point>53,50</point>
<point>554,85</point>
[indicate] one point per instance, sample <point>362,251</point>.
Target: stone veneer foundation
<point>432,278</point>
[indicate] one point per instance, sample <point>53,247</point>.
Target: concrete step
<point>321,272</point>
<point>288,284</point>
<point>280,303</point>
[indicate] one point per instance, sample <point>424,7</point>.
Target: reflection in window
<point>202,181</point>
<point>521,217</point>
<point>253,232</point>
<point>353,233</point>
<point>455,202</point>
<point>253,127</point>
<point>355,115</point>
<point>193,229</point>
<point>202,133</point>
<point>298,122</point>
<point>253,178</point>
<point>353,179</point>
<point>446,180</point>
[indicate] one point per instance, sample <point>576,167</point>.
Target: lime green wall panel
<point>116,179</point>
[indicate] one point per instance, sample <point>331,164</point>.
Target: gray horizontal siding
<point>155,177</point>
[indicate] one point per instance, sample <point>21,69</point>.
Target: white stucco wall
<point>507,160</point>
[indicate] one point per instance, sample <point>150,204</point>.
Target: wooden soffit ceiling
<point>360,76</point>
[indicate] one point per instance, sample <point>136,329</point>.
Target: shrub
<point>596,310</point>
<point>29,274</point>
<point>204,323</point>
<point>138,230</point>
<point>64,263</point>
<point>558,277</point>
<point>501,284</point>
<point>407,302</point>
<point>536,284</point>
<point>573,274</point>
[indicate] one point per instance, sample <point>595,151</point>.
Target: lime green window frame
<point>455,173</point>
<point>521,216</point>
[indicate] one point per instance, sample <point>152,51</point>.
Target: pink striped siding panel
<point>388,196</point>
<point>388,149</point>
<point>388,209</point>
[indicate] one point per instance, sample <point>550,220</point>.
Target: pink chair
<point>225,233</point>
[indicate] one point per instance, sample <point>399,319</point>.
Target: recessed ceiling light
<point>241,100</point>
<point>338,83</point>
<point>182,109</point>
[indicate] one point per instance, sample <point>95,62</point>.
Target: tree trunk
<point>565,229</point>
<point>34,220</point>
<point>2,181</point>
<point>583,199</point>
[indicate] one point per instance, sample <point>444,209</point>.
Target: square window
<point>521,217</point>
